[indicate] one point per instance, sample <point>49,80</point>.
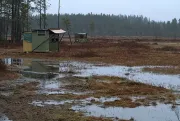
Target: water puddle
<point>44,69</point>
<point>160,112</point>
<point>4,117</point>
<point>136,74</point>
<point>6,93</point>
<point>82,101</point>
<point>53,75</point>
<point>101,100</point>
<point>50,102</point>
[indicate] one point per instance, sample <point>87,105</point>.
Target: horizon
<point>114,15</point>
<point>161,10</point>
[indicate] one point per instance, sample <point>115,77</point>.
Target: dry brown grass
<point>32,86</point>
<point>124,102</point>
<point>132,44</point>
<point>5,74</point>
<point>125,89</point>
<point>13,106</point>
<point>169,48</point>
<point>165,70</point>
<point>2,66</point>
<point>86,53</point>
<point>124,53</point>
<point>114,86</point>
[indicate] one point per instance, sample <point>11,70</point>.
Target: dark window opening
<point>41,33</point>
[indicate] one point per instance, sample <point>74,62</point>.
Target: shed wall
<point>27,42</point>
<point>53,46</point>
<point>37,40</point>
<point>27,46</point>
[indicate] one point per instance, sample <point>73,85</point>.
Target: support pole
<point>60,41</point>
<point>59,13</point>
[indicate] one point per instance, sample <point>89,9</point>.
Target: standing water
<point>51,74</point>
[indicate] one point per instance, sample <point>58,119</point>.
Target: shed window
<point>41,33</point>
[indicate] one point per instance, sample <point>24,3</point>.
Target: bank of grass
<point>120,87</point>
<point>163,70</point>
<point>116,86</point>
<point>123,102</point>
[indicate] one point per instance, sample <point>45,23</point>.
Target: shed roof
<point>58,31</point>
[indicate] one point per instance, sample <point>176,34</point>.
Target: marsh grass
<point>122,88</point>
<point>2,66</point>
<point>169,48</point>
<point>86,53</point>
<point>164,70</point>
<point>132,45</point>
<point>123,102</point>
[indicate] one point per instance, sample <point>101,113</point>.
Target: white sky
<point>160,10</point>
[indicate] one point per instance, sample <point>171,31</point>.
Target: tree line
<point>116,25</point>
<point>16,17</point>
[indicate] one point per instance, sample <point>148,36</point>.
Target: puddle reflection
<point>4,117</point>
<point>159,113</point>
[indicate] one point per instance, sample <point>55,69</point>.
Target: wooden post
<point>59,14</point>
<point>69,37</point>
<point>59,42</point>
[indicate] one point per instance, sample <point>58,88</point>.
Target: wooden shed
<point>46,40</point>
<point>27,42</point>
<point>81,37</point>
<point>43,40</point>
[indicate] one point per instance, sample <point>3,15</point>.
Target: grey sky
<point>160,10</point>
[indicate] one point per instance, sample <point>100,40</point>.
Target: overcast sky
<point>160,10</point>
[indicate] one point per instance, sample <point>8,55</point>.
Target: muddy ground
<point>20,100</point>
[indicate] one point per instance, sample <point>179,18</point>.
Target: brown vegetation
<point>169,48</point>
<point>17,107</point>
<point>2,66</point>
<point>116,52</point>
<point>163,70</point>
<point>85,53</point>
<point>5,74</point>
<point>120,87</point>
<point>124,102</point>
<point>117,87</point>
